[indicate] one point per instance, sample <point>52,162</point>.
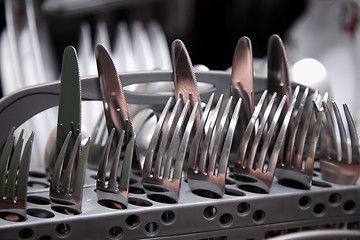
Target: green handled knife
<point>69,112</point>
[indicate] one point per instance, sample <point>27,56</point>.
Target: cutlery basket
<point>243,212</point>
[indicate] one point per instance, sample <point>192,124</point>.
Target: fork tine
<point>101,175</point>
<point>115,165</point>
<point>22,178</point>
<point>269,135</point>
<point>205,146</point>
<point>260,131</point>
<point>14,162</point>
<point>331,136</point>
<point>184,143</point>
<point>70,165</point>
<point>194,149</point>
<point>4,160</point>
<point>355,152</point>
<point>219,136</point>
<point>301,138</point>
<point>294,130</point>
<point>165,139</point>
<point>343,137</point>
<point>229,139</point>
<point>309,162</point>
<point>126,167</point>
<point>248,131</point>
<point>154,140</point>
<point>55,179</point>
<point>175,140</point>
<point>281,136</point>
<point>80,171</point>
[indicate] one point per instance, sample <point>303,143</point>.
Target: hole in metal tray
<point>292,184</point>
<point>38,200</point>
<point>321,184</point>
<point>251,188</point>
<point>65,210</point>
<point>161,198</point>
<point>136,190</point>
<point>63,229</point>
<point>26,233</point>
<point>37,174</point>
<point>12,217</point>
<point>168,217</point>
<point>40,213</point>
<point>111,204</point>
<point>234,192</point>
<point>115,232</point>
<point>36,184</point>
<point>210,212</point>
<point>206,194</point>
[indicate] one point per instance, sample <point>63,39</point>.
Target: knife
<point>115,105</point>
<point>278,73</point>
<point>184,77</point>
<point>69,112</point>
<point>242,76</point>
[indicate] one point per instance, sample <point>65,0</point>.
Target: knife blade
<point>115,105</point>
<point>184,77</point>
<point>69,112</point>
<point>242,75</point>
<point>278,73</point>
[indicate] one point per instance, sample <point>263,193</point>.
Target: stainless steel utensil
<point>115,105</point>
<point>14,178</point>
<point>69,112</point>
<point>298,164</point>
<point>184,77</point>
<point>207,168</point>
<point>251,168</point>
<point>242,77</point>
<point>340,167</point>
<point>66,185</point>
<point>68,162</point>
<point>278,72</point>
<point>242,85</point>
<point>114,191</point>
<point>162,174</point>
<point>97,142</point>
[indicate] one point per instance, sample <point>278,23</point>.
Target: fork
<point>14,178</point>
<point>206,169</point>
<point>336,167</point>
<point>114,191</point>
<point>66,185</point>
<point>253,174</point>
<point>97,141</point>
<point>162,174</point>
<point>298,163</point>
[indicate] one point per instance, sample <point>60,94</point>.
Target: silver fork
<point>14,177</point>
<point>252,169</point>
<point>206,169</point>
<point>336,167</point>
<point>162,175</point>
<point>297,166</point>
<point>66,185</point>
<point>114,191</point>
<point>97,142</point>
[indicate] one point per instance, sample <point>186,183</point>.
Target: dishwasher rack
<point>243,212</point>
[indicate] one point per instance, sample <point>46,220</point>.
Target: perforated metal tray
<point>243,212</point>
<point>240,214</point>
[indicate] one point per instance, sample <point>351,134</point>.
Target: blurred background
<point>321,37</point>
